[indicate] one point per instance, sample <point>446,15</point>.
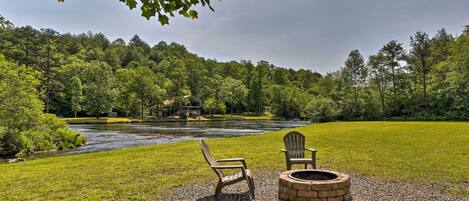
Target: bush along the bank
<point>24,127</point>
<point>321,109</point>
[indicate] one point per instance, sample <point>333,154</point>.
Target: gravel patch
<point>363,188</point>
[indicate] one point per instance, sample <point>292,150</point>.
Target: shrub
<point>288,102</point>
<point>321,109</point>
<point>24,128</point>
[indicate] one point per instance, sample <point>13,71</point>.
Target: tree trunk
<point>424,72</point>
<point>141,110</point>
<point>126,106</point>
<point>170,109</point>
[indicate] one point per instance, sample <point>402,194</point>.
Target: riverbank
<point>411,152</point>
<point>115,120</point>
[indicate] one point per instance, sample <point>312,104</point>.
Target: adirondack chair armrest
<point>221,167</point>
<point>283,150</point>
<point>242,160</point>
<point>230,159</point>
<point>310,149</point>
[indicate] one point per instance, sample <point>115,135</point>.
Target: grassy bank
<point>116,120</point>
<point>102,120</point>
<point>405,151</point>
<point>111,120</point>
<point>241,117</point>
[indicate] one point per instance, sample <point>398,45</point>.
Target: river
<point>104,137</point>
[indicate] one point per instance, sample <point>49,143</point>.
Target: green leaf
<point>193,14</point>
<point>163,19</point>
<point>130,3</point>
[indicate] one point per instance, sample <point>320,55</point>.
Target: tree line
<point>88,75</point>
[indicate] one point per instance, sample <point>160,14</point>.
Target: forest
<point>89,75</point>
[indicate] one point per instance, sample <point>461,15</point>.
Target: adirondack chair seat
<point>300,160</point>
<point>235,178</point>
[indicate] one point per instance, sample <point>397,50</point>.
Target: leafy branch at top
<point>164,9</point>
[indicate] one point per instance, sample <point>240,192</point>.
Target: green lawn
<point>406,151</point>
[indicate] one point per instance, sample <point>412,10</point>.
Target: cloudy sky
<point>313,34</point>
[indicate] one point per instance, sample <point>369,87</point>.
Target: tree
<point>136,42</point>
<point>393,53</point>
<point>257,97</point>
<point>48,39</point>
<point>420,54</point>
<point>125,96</point>
<point>354,74</point>
<point>440,46</point>
<point>145,87</point>
<point>98,88</point>
<point>178,88</point>
<point>197,76</point>
<point>354,71</point>
<point>76,95</point>
<point>165,8</point>
<point>212,106</point>
<point>5,24</point>
<point>454,98</point>
<point>234,92</point>
<point>379,77</point>
<point>24,128</point>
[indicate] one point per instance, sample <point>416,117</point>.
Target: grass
<point>434,152</point>
<point>457,191</point>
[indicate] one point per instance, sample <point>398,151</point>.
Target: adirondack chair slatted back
<point>209,158</point>
<point>295,144</point>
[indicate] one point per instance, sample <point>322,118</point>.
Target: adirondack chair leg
<point>288,166</point>
<point>314,160</point>
<point>218,189</point>
<point>251,186</point>
<point>306,166</point>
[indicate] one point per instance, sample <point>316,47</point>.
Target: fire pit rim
<point>337,175</point>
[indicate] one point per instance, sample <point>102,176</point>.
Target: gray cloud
<point>314,34</point>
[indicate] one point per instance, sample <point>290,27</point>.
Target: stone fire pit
<point>309,185</point>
